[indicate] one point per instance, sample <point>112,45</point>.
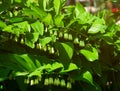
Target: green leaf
<point>117,43</point>
<point>23,26</point>
<point>68,48</point>
<point>71,67</point>
<point>88,77</point>
<point>31,38</point>
<point>38,27</point>
<point>85,18</point>
<point>2,24</point>
<point>20,61</point>
<point>48,19</point>
<point>58,20</point>
<point>45,4</point>
<point>29,61</point>
<point>79,9</point>
<point>57,4</point>
<point>97,26</point>
<point>18,1</point>
<point>65,52</point>
<point>21,84</point>
<point>38,11</point>
<point>96,66</point>
<point>16,19</point>
<point>45,40</point>
<point>56,66</point>
<point>108,39</point>
<point>18,28</point>
<point>72,21</point>
<point>89,87</point>
<point>3,73</point>
<point>29,12</point>
<point>91,53</point>
<point>35,73</point>
<point>18,73</point>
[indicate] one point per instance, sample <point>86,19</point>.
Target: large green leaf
<point>12,62</point>
<point>71,67</point>
<point>68,48</point>
<point>31,38</point>
<point>48,5</point>
<point>2,24</point>
<point>38,27</point>
<point>18,28</point>
<point>88,77</point>
<point>21,65</point>
<point>57,4</point>
<point>90,53</point>
<point>58,20</point>
<point>97,26</point>
<point>38,11</point>
<point>65,52</point>
<point>79,9</point>
<point>48,19</point>
<point>45,40</point>
<point>29,61</point>
<point>56,66</point>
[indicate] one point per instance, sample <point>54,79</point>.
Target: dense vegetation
<point>45,45</point>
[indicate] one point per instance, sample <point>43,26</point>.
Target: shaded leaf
<point>29,61</point>
<point>65,52</point>
<point>97,68</point>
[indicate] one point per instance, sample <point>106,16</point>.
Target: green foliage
<point>47,44</point>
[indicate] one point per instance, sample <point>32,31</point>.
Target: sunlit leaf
<point>45,40</point>
<point>79,9</point>
<point>38,11</point>
<point>2,24</point>
<point>71,67</point>
<point>58,20</point>
<point>21,73</point>
<point>38,27</point>
<point>57,6</point>
<point>56,66</point>
<point>31,38</point>
<point>97,26</point>
<point>48,19</point>
<point>91,53</point>
<point>88,76</point>
<point>18,1</point>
